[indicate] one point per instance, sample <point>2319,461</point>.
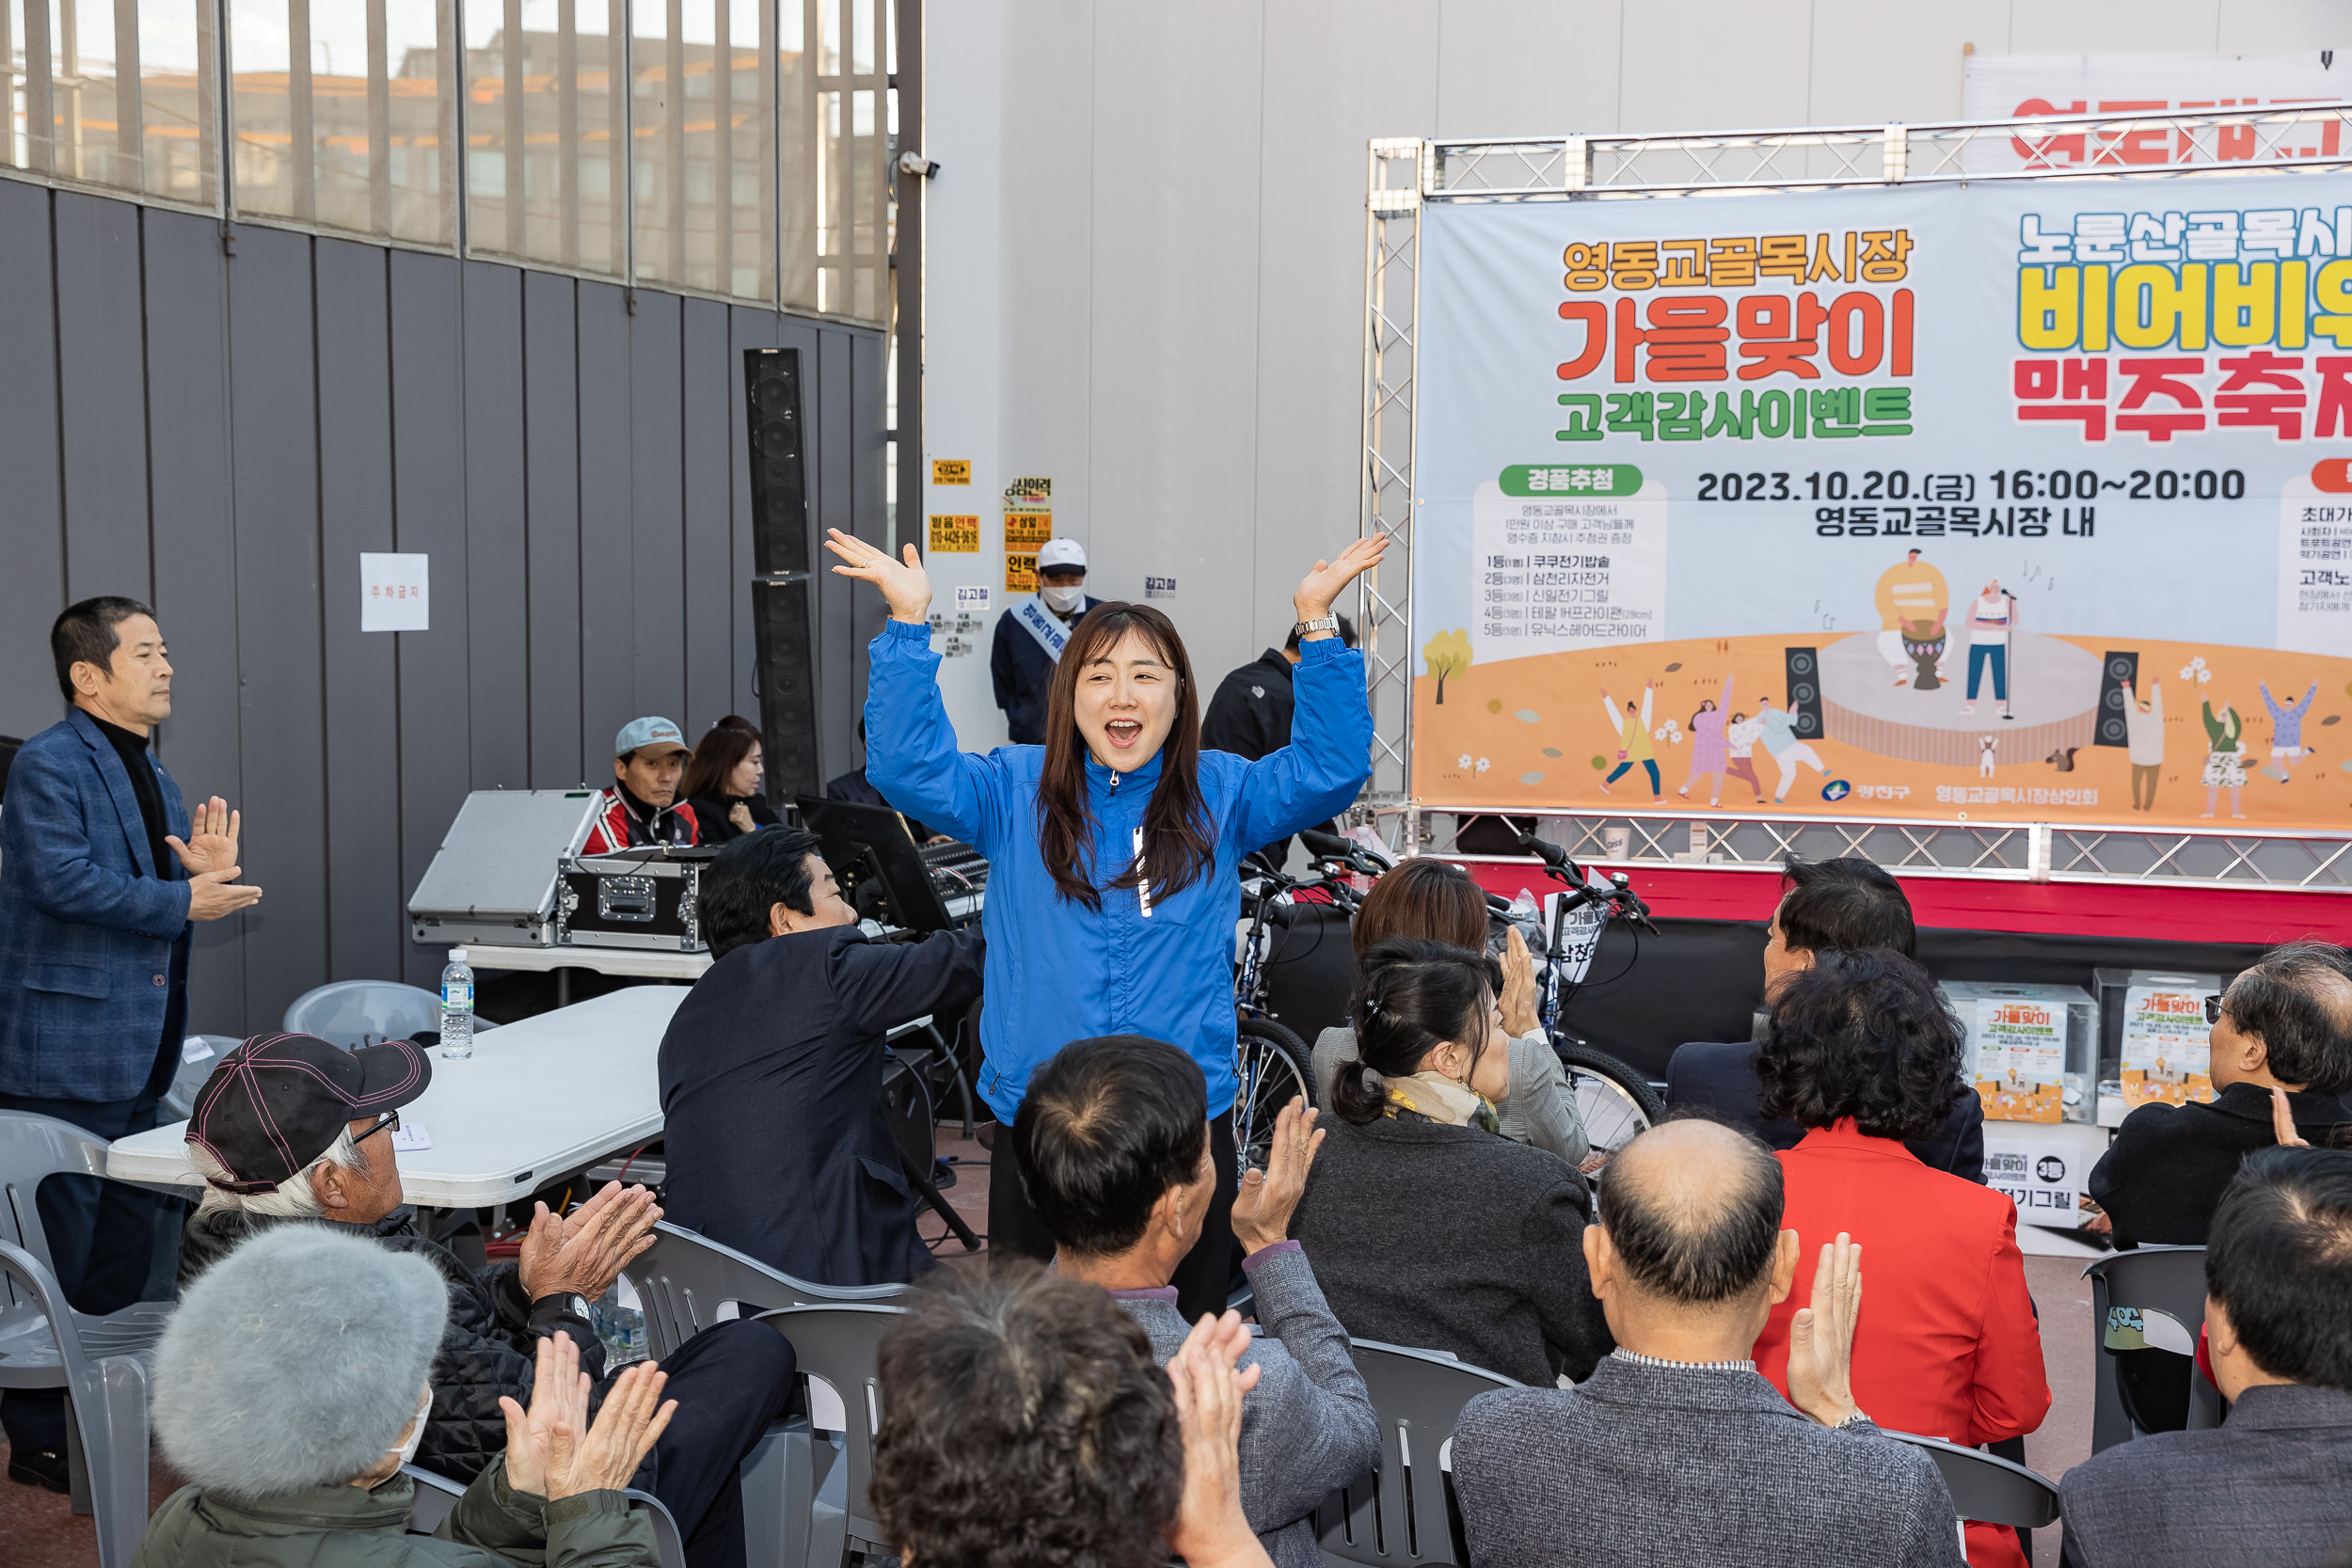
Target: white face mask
<point>408,1450</point>
<point>1061,601</point>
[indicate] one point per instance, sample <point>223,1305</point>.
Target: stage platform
<point>2053,689</point>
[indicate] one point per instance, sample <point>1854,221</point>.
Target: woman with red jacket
<point>1862,1053</point>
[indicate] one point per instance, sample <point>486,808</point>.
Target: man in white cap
<point>643,807</point>
<point>1030,636</point>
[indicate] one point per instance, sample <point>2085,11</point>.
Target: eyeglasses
<point>390,1121</point>
<point>2213,1008</point>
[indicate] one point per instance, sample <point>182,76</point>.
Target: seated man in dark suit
<point>2272,1484</point>
<point>771,1069</point>
<point>2287,1024</point>
<point>1830,906</point>
<point>1675,1449</point>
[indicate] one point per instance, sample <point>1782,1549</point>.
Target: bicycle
<point>1271,1064</point>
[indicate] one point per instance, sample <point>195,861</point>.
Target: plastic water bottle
<point>457,1007</point>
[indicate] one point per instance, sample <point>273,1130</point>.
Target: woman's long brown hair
<point>716,757</point>
<point>1177,847</point>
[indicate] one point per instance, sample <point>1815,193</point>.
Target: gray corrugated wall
<point>223,437</point>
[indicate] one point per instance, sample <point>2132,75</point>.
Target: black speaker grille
<point>771,390</point>
<point>2117,670</point>
<point>1803,667</point>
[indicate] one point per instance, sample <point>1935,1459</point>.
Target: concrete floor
<point>40,1532</point>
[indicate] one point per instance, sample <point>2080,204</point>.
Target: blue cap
<point>658,736</point>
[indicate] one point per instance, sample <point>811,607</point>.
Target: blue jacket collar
<point>1143,780</point>
<point>118,788</point>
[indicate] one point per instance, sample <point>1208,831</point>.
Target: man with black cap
<point>1030,636</point>
<point>290,1129</point>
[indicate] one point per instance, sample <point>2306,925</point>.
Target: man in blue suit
<point>102,870</point>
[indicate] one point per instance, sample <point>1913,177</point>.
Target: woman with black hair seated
<point>1427,1228</point>
<point>1862,1053</point>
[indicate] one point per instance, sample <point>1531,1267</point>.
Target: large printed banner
<point>2020,501</point>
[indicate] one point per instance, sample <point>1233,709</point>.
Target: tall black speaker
<point>782,624</point>
<point>2116,671</point>
<point>1805,691</point>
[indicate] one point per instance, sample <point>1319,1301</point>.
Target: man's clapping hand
<point>1820,1336</point>
<point>1211,1531</point>
<point>583,1252</point>
<point>551,1449</point>
<point>1268,1199</point>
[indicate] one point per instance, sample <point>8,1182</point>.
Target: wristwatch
<point>1320,622</point>
<point>570,1303</point>
<point>1857,1418</point>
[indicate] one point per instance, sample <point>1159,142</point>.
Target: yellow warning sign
<point>955,535</point>
<point>1027,529</point>
<point>951,470</point>
<point>1020,571</point>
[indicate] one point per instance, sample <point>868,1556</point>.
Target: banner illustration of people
<point>1946,482</point>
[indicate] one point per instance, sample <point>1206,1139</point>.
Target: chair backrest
<point>2150,1297</point>
<point>683,1280</point>
<point>840,1342</point>
<point>1403,1511</point>
<point>187,1080</point>
<point>436,1500</point>
<point>352,1013</point>
<point>1988,1488</point>
<point>30,1279</point>
<point>31,1147</point>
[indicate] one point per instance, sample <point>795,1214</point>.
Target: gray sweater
<point>1645,1463</point>
<point>1451,1239</point>
<point>1307,1427</point>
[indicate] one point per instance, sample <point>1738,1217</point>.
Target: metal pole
<point>907,276</point>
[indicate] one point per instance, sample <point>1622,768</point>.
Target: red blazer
<point>1946,1345</point>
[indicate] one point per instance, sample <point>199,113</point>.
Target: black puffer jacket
<point>488,1349</point>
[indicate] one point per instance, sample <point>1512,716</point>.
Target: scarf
<point>1441,1099</point>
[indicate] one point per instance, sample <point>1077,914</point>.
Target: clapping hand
<point>634,1418</point>
<point>1263,1208</point>
<point>1820,1336</point>
<point>1518,985</point>
<point>2282,1121</point>
<point>1318,588</point>
<point>1211,1531</point>
<point>904,585</point>
<point>585,1251</point>
<point>559,1396</point>
<point>212,841</point>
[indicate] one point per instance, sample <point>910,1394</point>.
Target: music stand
<point>870,847</point>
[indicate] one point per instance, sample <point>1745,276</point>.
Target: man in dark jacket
<point>1029,638</point>
<point>290,1129</point>
<point>1250,714</point>
<point>1829,906</point>
<point>2287,1024</point>
<point>771,1069</point>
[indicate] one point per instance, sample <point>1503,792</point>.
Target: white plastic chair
<point>100,1362</point>
<point>353,1013</point>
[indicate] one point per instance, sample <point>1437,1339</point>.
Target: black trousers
<point>731,1381</point>
<point>1203,1281</point>
<point>102,1234</point>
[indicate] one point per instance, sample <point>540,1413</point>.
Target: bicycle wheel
<point>1271,1064</point>
<point>1616,1101</point>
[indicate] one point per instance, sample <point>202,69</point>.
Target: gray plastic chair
<point>2168,1281</point>
<point>187,1080</point>
<point>1403,1509</point>
<point>436,1500</point>
<point>840,1343</point>
<point>683,1281</point>
<point>352,1013</point>
<point>105,1383</point>
<point>1988,1488</point>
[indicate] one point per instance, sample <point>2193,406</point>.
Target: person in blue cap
<point>643,807</point>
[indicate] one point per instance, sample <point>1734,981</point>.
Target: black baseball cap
<point>277,1102</point>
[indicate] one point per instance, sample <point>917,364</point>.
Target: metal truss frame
<point>1402,174</point>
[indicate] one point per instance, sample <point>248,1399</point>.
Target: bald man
<point>1675,1446</point>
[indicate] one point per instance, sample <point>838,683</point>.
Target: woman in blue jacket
<point>1112,890</point>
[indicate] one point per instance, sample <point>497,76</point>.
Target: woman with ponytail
<point>1428,1227</point>
<point>1112,892</point>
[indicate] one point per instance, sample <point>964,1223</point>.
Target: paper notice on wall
<point>955,534</point>
<point>2166,1047</point>
<point>1567,556</point>
<point>2021,1058</point>
<point>2044,1182</point>
<point>393,593</point>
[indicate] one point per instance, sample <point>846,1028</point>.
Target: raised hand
<point>1211,1531</point>
<point>905,586</point>
<point>1263,1208</point>
<point>2282,1121</point>
<point>1519,993</point>
<point>1820,1336</point>
<point>213,894</point>
<point>212,841</point>
<point>559,1257</point>
<point>559,1396</point>
<point>1320,587</point>
<point>633,1416</point>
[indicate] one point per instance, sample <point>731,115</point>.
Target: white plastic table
<point>538,1098</point>
<point>644,963</point>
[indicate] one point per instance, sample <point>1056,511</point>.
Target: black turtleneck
<point>131,747</point>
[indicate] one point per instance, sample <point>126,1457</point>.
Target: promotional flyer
<point>2017,501</point>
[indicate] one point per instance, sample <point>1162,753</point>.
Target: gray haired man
<point>1675,1448</point>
